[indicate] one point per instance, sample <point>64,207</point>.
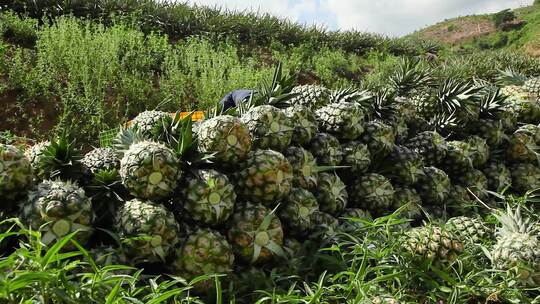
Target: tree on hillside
<point>536,2</point>
<point>503,17</point>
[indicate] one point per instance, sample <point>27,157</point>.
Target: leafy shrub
<point>503,17</point>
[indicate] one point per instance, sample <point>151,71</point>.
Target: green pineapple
<point>148,230</point>
<point>517,246</point>
<point>269,127</point>
<point>498,176</point>
<point>226,137</point>
<point>433,243</point>
<point>58,208</point>
<point>526,110</point>
<point>205,252</point>
<point>524,144</point>
<point>404,166</point>
<point>372,192</point>
<point>265,177</point>
<point>208,197</point>
<point>469,230</point>
<point>311,96</point>
<point>457,161</point>
<point>412,201</point>
<point>356,157</point>
<point>491,130</point>
<point>532,86</point>
<point>430,145</point>
<point>476,182</point>
<point>305,123</point>
<point>256,234</point>
<point>352,220</point>
<point>331,193</point>
<point>101,159</point>
<point>148,121</point>
<point>479,150</point>
<point>324,227</point>
<point>433,186</point>
<point>326,149</point>
<point>150,170</point>
<point>459,200</point>
<point>296,212</point>
<point>305,169</point>
<point>15,173</point>
<point>379,137</point>
<point>344,120</point>
<point>525,177</point>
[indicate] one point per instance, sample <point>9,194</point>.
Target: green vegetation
<point>503,17</point>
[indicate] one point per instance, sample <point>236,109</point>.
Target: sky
<point>389,17</point>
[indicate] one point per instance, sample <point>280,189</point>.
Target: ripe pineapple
<point>352,220</point>
<point>430,145</point>
<point>432,242</point>
<point>457,160</point>
<point>148,121</point>
<point>356,157</point>
<point>517,246</point>
<point>269,127</point>
<point>305,123</point>
<point>255,234</point>
<point>205,252</point>
<point>15,173</point>
<point>226,137</point>
<point>379,137</point>
<point>326,149</point>
<point>57,208</point>
<point>344,120</point>
<point>150,170</point>
<point>404,166</point>
<point>208,196</point>
<point>148,230</point>
<point>476,182</point>
<point>498,176</point>
<point>101,159</point>
<point>331,193</point>
<point>296,212</point>
<point>523,146</point>
<point>305,169</point>
<point>433,186</point>
<point>525,177</point>
<point>311,96</point>
<point>479,150</point>
<point>372,192</point>
<point>265,177</point>
<point>532,86</point>
<point>469,230</point>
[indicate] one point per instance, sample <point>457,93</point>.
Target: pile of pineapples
<point>294,164</point>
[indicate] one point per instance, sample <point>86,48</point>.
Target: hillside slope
<point>479,32</point>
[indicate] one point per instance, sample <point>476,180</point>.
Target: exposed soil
<point>459,30</point>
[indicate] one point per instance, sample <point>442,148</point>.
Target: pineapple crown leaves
<point>381,104</point>
<point>126,137</point>
<point>454,95</point>
<point>409,75</point>
<point>513,222</point>
<point>350,94</point>
<point>61,160</point>
<point>107,183</point>
<point>491,101</point>
<point>262,238</point>
<point>179,136</point>
<point>511,77</point>
<point>442,123</point>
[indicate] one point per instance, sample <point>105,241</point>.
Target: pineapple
<point>433,186</point>
<point>469,230</point>
<point>256,234</point>
<point>265,177</point>
<point>326,149</point>
<point>331,193</point>
<point>150,170</point>
<point>433,243</point>
<point>58,208</point>
<point>205,252</point>
<point>459,200</point>
<point>524,143</point>
<point>476,182</point>
<point>430,145</point>
<point>148,230</point>
<point>323,228</point>
<point>208,196</point>
<point>101,159</point>
<point>372,192</point>
<point>311,96</point>
<point>479,150</point>
<point>306,125</point>
<point>457,160</point>
<point>525,177</point>
<point>296,212</point>
<point>226,137</point>
<point>408,197</point>
<point>57,158</point>
<point>526,110</point>
<point>491,130</point>
<point>403,165</point>
<point>532,86</point>
<point>517,246</point>
<point>498,176</point>
<point>305,169</point>
<point>356,157</point>
<point>269,127</point>
<point>36,153</point>
<point>352,220</point>
<point>15,173</point>
<point>344,120</point>
<point>148,122</point>
<point>379,137</point>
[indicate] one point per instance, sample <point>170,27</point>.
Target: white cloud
<point>390,17</point>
